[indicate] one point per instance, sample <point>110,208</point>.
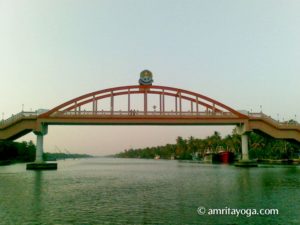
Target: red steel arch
<point>198,102</point>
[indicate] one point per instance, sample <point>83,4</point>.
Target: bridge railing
<point>140,113</point>
<point>16,117</point>
<point>277,123</point>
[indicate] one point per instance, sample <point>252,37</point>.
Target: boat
<point>223,157</point>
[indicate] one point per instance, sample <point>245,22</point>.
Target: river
<point>136,191</point>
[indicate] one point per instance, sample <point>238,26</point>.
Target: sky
<point>244,54</point>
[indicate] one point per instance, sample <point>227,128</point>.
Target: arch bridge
<point>131,105</point>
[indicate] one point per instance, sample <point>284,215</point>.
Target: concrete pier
<point>39,148</point>
<point>245,151</point>
<point>245,161</point>
<point>39,163</point>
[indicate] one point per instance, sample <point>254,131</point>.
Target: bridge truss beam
<point>201,102</point>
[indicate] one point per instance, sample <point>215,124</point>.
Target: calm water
<point>126,191</point>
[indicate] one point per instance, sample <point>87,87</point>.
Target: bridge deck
<point>25,122</point>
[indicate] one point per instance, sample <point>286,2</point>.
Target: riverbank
<point>260,147</point>
<point>16,152</point>
<point>279,161</point>
<point>24,152</point>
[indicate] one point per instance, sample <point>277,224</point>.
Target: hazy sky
<point>242,53</point>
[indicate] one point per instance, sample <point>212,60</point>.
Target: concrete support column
<point>39,163</point>
<point>245,155</point>
<point>40,143</point>
<point>39,148</point>
<point>244,162</point>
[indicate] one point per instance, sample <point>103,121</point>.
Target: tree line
<point>260,147</point>
<point>17,151</point>
<point>11,152</point>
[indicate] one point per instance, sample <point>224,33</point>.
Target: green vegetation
<point>13,152</point>
<point>260,147</point>
<point>16,152</point>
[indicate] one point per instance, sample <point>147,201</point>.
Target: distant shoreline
<point>61,156</point>
<point>259,161</point>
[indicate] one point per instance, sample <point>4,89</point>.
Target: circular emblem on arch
<point>146,77</point>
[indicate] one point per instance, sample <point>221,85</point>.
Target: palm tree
<point>181,148</point>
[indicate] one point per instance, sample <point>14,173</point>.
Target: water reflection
<point>35,200</point>
<point>244,183</point>
<point>38,186</point>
